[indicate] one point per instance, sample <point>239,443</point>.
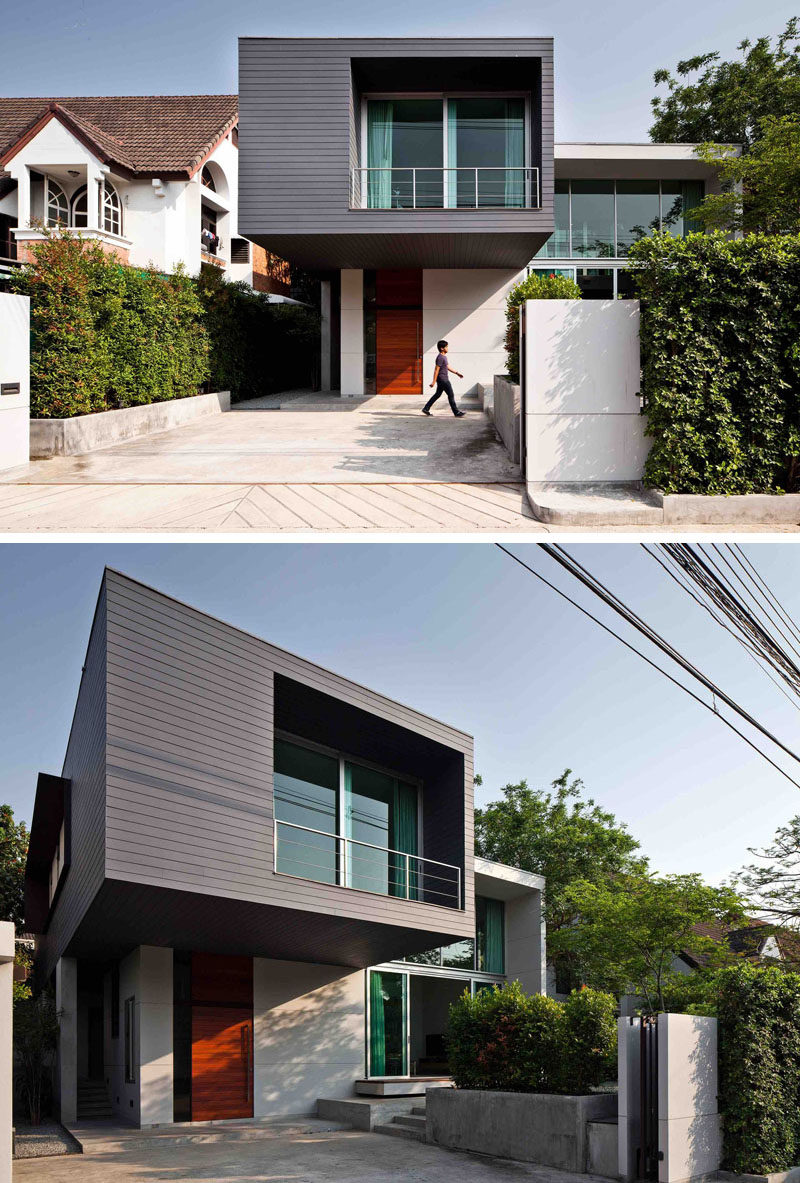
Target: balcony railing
<point>444,188</point>
<point>347,862</point>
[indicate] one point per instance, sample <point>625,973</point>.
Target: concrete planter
<point>775,1177</point>
<point>85,433</point>
<point>747,508</point>
<point>529,1127</point>
<point>507,404</point>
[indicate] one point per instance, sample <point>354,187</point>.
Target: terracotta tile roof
<point>144,134</point>
<point>748,941</point>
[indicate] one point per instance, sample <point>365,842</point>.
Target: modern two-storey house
<point>419,179</point>
<point>252,885</point>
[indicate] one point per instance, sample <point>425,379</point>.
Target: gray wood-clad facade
<point>299,139</point>
<point>170,764</point>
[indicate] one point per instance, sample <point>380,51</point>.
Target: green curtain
<point>515,153</point>
<point>380,122</point>
<point>404,829</point>
<point>377,1026</point>
<point>451,178</point>
<point>691,197</point>
<point>493,937</point>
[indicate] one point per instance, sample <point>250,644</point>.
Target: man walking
<point>441,380</point>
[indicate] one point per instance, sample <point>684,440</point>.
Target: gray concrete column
<point>525,942</point>
<point>6,1000</point>
<point>325,335</point>
<point>67,1064</point>
<point>352,330</point>
<point>155,1044</point>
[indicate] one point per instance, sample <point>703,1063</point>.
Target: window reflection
<point>593,219</point>
<point>637,212</point>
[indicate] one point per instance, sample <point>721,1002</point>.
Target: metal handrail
<point>359,190</point>
<point>347,856</point>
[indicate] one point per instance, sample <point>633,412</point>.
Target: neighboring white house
<point>154,179</point>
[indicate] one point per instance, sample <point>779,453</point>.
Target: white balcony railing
<point>444,188</point>
<point>346,862</point>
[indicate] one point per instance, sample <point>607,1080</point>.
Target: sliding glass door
<point>488,135</point>
<point>404,135</point>
<point>381,820</point>
<point>388,1024</point>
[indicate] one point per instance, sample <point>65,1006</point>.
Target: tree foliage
<point>726,101</point>
<point>506,1040</point>
<point>760,190</point>
<point>536,286</point>
<point>13,853</point>
<point>772,885</point>
<point>720,326</point>
<point>630,927</point>
<point>35,1039</point>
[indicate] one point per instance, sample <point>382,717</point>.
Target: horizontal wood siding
<point>190,751</point>
<point>84,766</point>
<point>298,139</point>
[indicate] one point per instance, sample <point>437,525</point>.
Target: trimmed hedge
<point>536,286</point>
<point>758,1011</point>
<point>506,1040</point>
<point>720,326</point>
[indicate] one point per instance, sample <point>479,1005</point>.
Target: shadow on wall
<point>703,1139</point>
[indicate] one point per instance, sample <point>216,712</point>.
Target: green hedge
<point>105,336</point>
<point>758,1011</point>
<point>720,325</point>
<point>536,286</point>
<point>504,1039</point>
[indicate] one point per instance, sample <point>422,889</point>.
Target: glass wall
<point>388,1023</point>
<point>306,795</point>
<point>602,219</point>
<point>489,134</point>
<point>403,134</point>
<point>486,953</point>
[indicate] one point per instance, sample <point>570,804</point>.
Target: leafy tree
<point>772,885</point>
<point>558,834</point>
<point>630,927</point>
<point>35,1040</point>
<point>726,102</point>
<point>13,853</point>
<point>759,190</point>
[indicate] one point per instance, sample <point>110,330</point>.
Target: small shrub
<point>35,1040</point>
<point>506,1040</point>
<point>537,286</point>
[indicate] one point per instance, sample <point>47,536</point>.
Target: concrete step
<point>412,1122</point>
<point>598,504</point>
<point>418,1110</point>
<point>400,1131</point>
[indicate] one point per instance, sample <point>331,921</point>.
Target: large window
<point>338,821</point>
<point>388,1023</point>
<point>490,925</point>
<point>57,207</point>
<point>109,208</point>
<point>602,219</point>
<point>454,152</point>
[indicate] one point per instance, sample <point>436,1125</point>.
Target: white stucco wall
<point>6,1009</point>
<point>352,333</point>
<point>309,1034</point>
<point>15,367</point>
<point>467,308</point>
<point>582,381</point>
<point>689,1131</point>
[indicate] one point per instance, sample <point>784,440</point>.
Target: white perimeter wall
<point>467,308</point>
<point>146,975</point>
<point>309,1034</point>
<point>582,382</point>
<point>15,367</point>
<point>6,1007</point>
<point>689,1133</point>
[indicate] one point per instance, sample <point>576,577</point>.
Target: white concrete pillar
<point>352,333</point>
<point>67,1065</point>
<point>525,942</point>
<point>6,1021</point>
<point>15,410</point>
<point>94,179</point>
<point>689,1131</point>
<point>23,197</point>
<point>325,335</point>
<point>154,1035</point>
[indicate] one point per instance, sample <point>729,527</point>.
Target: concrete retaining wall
<point>85,433</point>
<point>582,374</point>
<point>507,405</point>
<point>744,509</point>
<point>602,1154</point>
<point>528,1127</point>
<point>14,369</point>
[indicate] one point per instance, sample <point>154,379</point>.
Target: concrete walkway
<point>309,1151</point>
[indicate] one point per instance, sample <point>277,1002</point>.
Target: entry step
<point>597,504</point>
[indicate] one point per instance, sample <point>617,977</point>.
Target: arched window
<point>57,207</point>
<point>109,208</point>
<point>79,218</point>
<point>207,179</point>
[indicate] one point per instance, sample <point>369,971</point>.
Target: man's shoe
<point>425,411</point>
<point>459,414</point>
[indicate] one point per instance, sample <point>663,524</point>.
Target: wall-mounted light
<point>158,187</point>
<point>73,172</point>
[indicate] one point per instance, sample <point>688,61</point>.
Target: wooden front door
<point>222,1062</point>
<point>398,331</point>
<point>398,349</point>
<point>222,1036</point>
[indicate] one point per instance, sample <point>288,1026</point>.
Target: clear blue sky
<point>461,632</point>
<point>605,53</point>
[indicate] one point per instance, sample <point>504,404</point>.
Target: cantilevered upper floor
<point>224,796</point>
<point>394,153</point>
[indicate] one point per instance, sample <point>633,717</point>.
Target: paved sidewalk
<point>312,1153</point>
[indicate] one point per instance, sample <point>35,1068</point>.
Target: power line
<point>660,669</point>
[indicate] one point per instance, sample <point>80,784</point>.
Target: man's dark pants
<point>443,387</point>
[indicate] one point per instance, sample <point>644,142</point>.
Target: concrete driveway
<point>309,1151</point>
